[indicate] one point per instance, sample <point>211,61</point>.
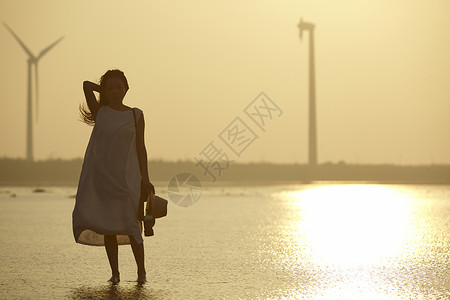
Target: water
<point>280,241</point>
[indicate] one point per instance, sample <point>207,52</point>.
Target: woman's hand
<point>150,189</point>
<point>88,85</point>
<point>148,186</point>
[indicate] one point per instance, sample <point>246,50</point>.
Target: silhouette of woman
<point>115,163</point>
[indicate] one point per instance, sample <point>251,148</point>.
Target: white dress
<point>107,200</point>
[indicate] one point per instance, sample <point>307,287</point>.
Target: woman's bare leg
<point>138,251</point>
<point>112,250</point>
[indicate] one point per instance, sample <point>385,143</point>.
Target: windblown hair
<point>89,117</point>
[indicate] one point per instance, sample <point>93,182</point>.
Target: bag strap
<point>135,122</point>
<point>135,129</point>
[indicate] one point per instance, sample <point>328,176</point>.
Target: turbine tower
<point>32,60</point>
<point>312,93</point>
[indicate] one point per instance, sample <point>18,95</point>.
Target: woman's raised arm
<point>89,88</point>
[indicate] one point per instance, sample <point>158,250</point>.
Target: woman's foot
<point>115,279</point>
<point>142,278</point>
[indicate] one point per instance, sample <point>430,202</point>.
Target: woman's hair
<point>89,117</point>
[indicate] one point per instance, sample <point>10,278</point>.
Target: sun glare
<point>352,224</point>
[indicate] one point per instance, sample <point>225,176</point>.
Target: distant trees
<point>57,171</point>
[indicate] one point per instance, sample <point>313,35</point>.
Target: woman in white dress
<point>114,167</point>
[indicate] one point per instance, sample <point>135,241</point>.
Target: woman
<point>115,164</point>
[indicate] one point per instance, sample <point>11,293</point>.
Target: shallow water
<point>315,241</point>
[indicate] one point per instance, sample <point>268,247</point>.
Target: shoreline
<point>19,172</point>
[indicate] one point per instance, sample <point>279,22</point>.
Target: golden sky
<point>383,75</point>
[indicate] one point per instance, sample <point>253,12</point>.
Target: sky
<point>382,76</point>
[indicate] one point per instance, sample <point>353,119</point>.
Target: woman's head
<point>113,87</point>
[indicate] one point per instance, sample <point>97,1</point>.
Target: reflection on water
<point>353,224</point>
<point>112,291</point>
<point>242,242</point>
<point>370,242</point>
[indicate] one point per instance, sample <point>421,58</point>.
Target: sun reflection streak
<point>348,225</point>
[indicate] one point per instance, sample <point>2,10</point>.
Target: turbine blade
<point>43,52</point>
<point>20,42</point>
<point>36,86</point>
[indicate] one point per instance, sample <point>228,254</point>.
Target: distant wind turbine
<point>32,59</point>
<point>312,93</point>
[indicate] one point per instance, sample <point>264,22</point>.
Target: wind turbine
<point>32,60</point>
<point>304,26</point>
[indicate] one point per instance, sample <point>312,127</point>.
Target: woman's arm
<point>142,154</point>
<point>89,88</point>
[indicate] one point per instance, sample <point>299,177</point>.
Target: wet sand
<point>240,242</point>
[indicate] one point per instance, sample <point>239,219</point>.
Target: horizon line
<point>340,162</point>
